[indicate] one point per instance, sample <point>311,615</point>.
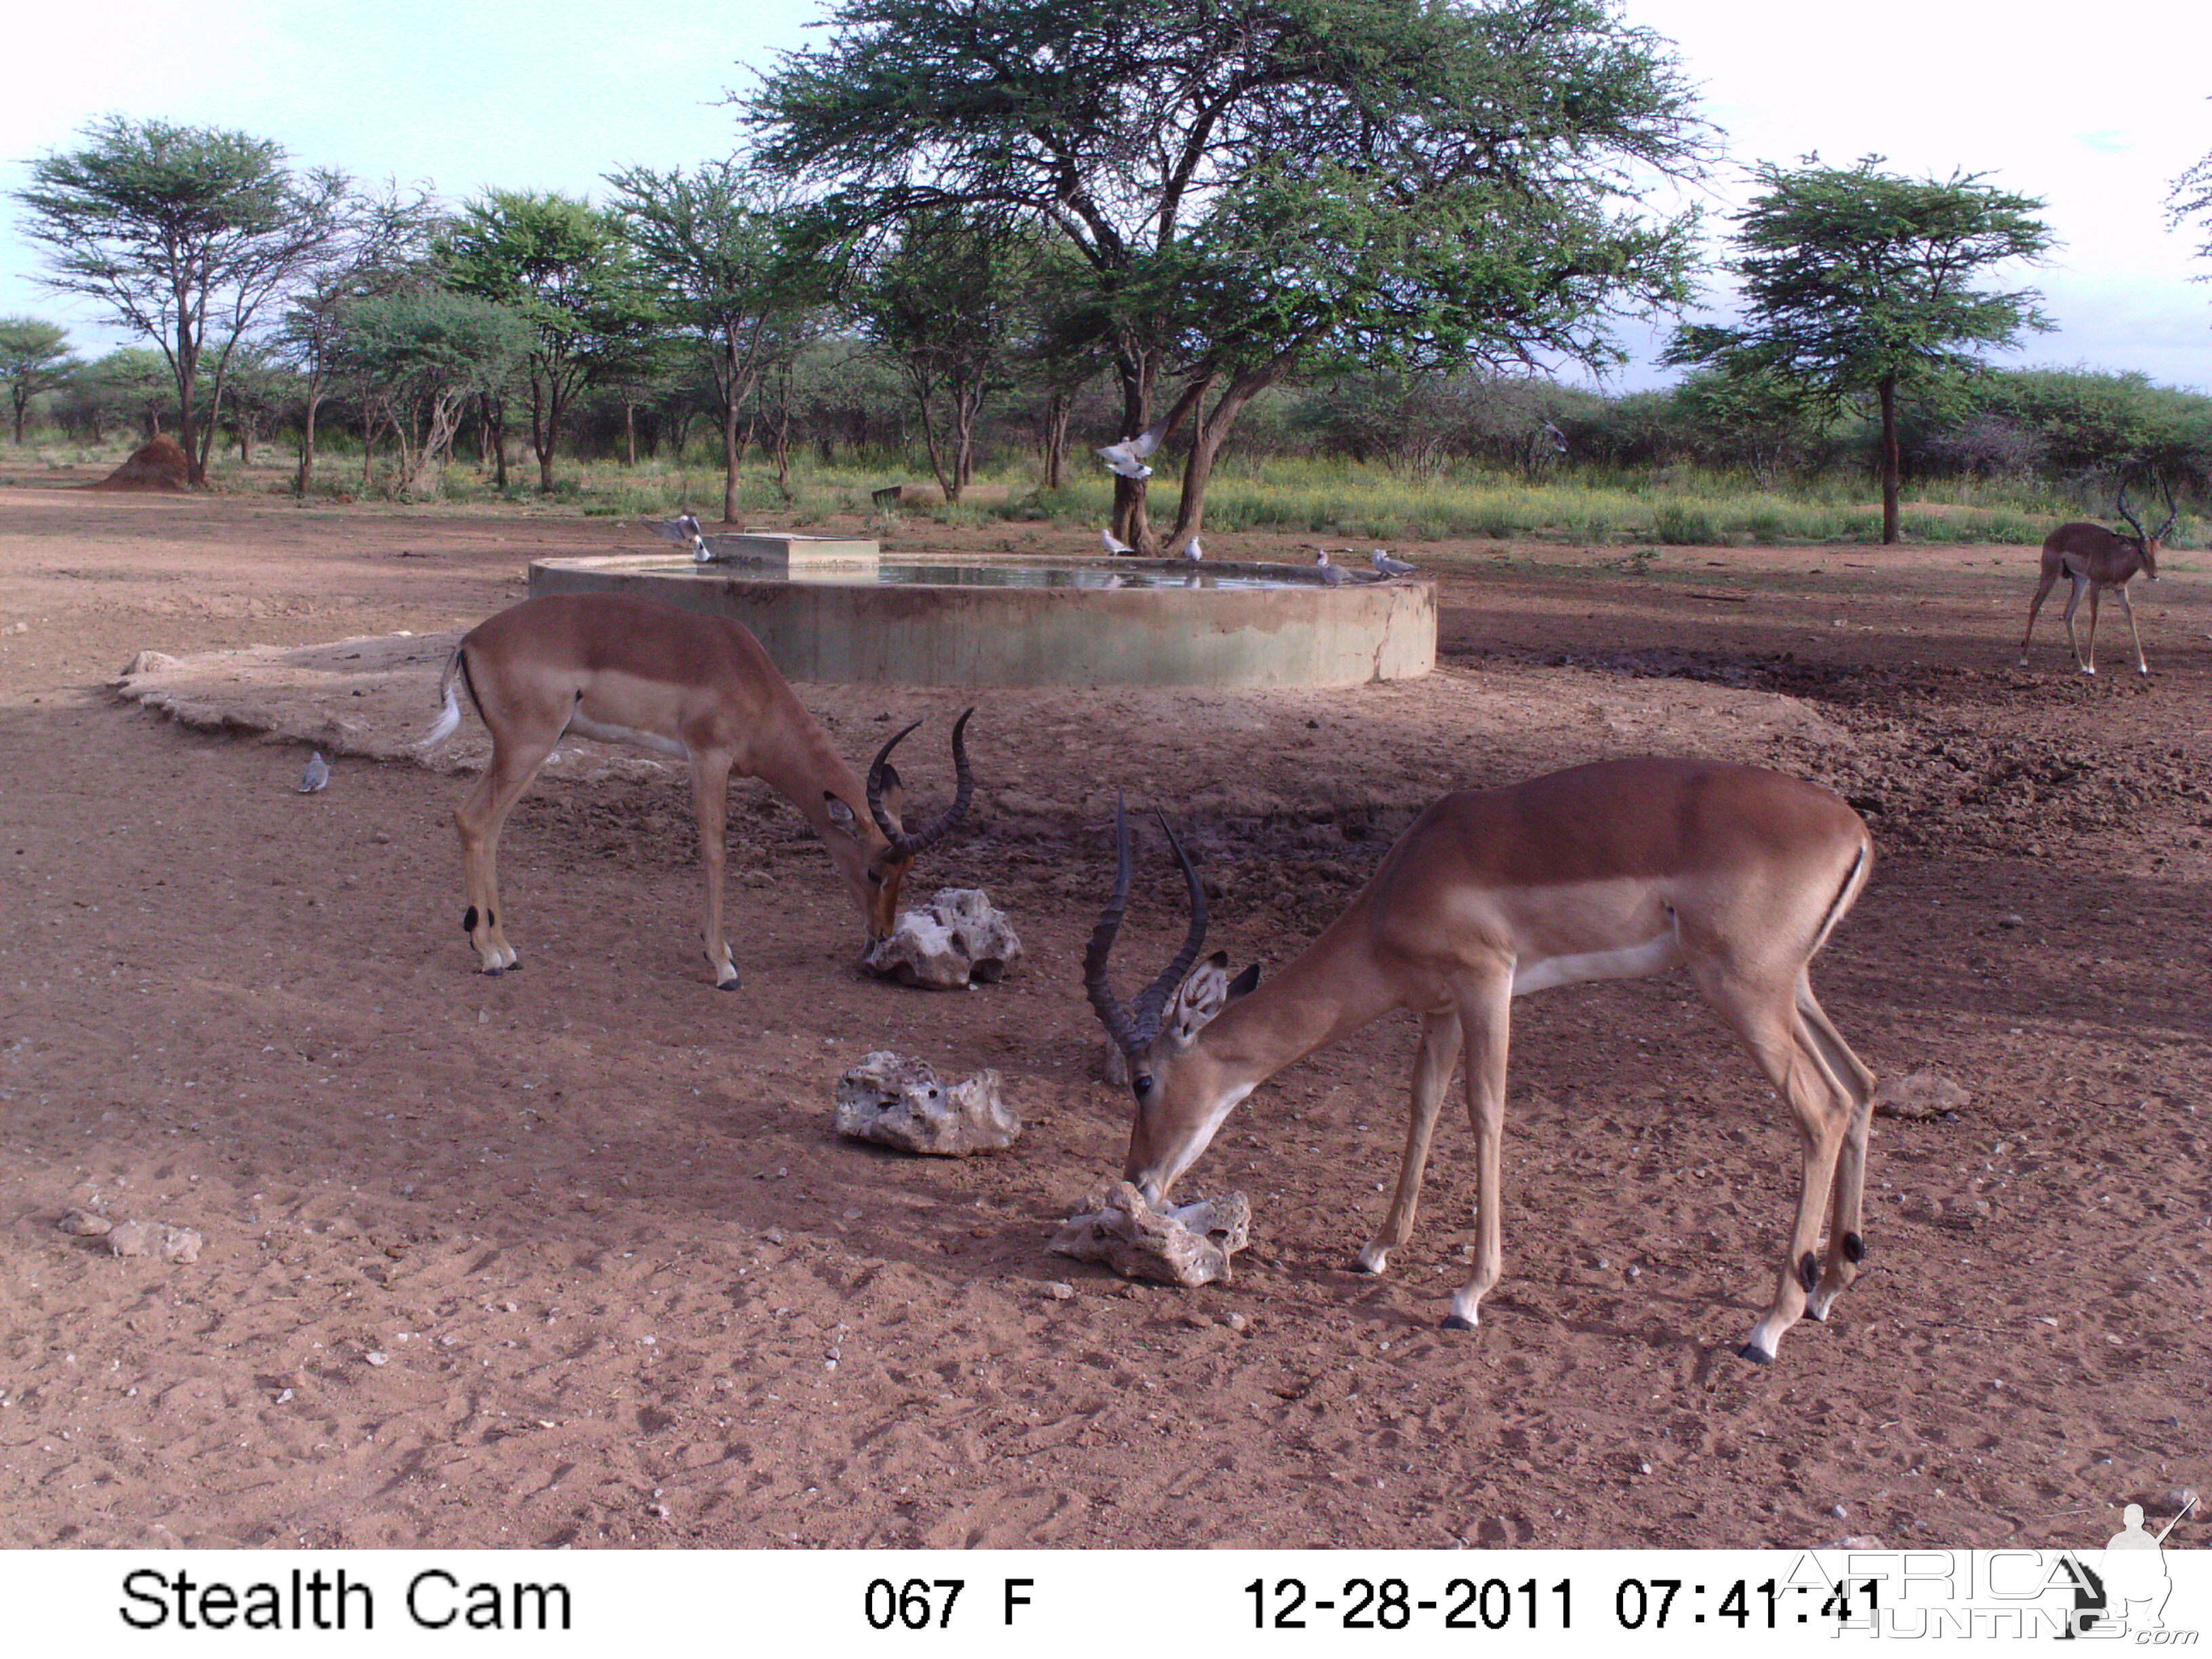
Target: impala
<point>2094,558</point>
<point>1611,870</point>
<point>701,689</point>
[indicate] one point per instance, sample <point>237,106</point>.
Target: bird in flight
<point>1127,457</point>
<point>683,530</point>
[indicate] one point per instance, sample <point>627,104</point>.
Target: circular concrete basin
<point>982,622</point>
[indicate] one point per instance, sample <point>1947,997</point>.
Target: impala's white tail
<point>449,717</point>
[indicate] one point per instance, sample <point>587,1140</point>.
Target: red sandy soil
<point>628,1287</point>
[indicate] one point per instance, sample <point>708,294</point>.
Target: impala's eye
<point>875,876</point>
<point>1142,1083</point>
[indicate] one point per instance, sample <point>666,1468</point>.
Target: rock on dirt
<point>957,939</point>
<point>84,1223</point>
<point>136,1239</point>
<point>1186,1244</point>
<point>1919,1095</point>
<point>900,1103</point>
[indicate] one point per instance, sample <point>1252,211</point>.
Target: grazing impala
<point>1612,870</point>
<point>699,688</point>
<point>2094,558</point>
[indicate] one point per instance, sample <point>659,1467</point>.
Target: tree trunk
<point>1130,524</point>
<point>1059,408</point>
<point>306,474</point>
<point>21,400</point>
<point>1889,467</point>
<point>1206,443</point>
<point>630,434</point>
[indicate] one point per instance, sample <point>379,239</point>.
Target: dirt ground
<point>574,1256</point>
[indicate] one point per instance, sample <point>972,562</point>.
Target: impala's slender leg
<point>710,800</point>
<point>1432,1070</point>
<point>2128,607</point>
<point>1846,1219</point>
<point>1767,1021</point>
<point>2095,591</point>
<point>2042,592</point>
<point>1486,1019</point>
<point>478,819</point>
<point>2081,585</point>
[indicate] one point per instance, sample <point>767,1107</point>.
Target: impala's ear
<point>1244,983</point>
<point>842,815</point>
<point>1204,992</point>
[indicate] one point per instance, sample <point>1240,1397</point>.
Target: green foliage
<point>1858,281</point>
<point>178,231</point>
<point>34,358</point>
<point>1379,182</point>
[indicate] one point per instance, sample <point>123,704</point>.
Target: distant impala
<point>2095,558</point>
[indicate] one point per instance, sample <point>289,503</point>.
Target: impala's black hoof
<point>493,973</point>
<point>1454,1322</point>
<point>1757,1357</point>
<point>728,984</point>
<point>1854,1247</point>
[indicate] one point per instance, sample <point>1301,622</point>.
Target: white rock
<point>900,1103</point>
<point>1186,1245</point>
<point>957,939</point>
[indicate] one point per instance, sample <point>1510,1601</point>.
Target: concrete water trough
<point>937,621</point>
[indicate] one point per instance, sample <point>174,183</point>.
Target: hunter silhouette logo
<point>2127,1591</point>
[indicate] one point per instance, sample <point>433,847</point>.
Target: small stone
<point>375,1357</point>
<point>179,1244</point>
<point>1839,1511</point>
<point>1238,1322</point>
<point>1857,1541</point>
<point>900,1103</point>
<point>1919,1095</point>
<point>132,1238</point>
<point>83,1224</point>
<point>145,662</point>
<point>2011,921</point>
<point>1058,1289</point>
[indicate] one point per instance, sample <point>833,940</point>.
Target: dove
<point>1116,546</point>
<point>1330,575</point>
<point>1192,551</point>
<point>316,774</point>
<point>1390,567</point>
<point>1127,457</point>
<point>683,529</point>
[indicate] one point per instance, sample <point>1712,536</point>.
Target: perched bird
<point>1330,575</point>
<point>1390,567</point>
<point>1116,546</point>
<point>1127,457</point>
<point>316,774</point>
<point>1192,551</point>
<point>683,530</point>
<point>1559,438</point>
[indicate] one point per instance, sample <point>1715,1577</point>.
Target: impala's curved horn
<point>2120,510</point>
<point>1154,1001</point>
<point>1108,1006</point>
<point>2172,512</point>
<point>880,776</point>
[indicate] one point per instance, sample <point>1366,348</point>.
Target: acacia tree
<point>563,266</point>
<point>717,250</point>
<point>2191,198</point>
<point>183,233</point>
<point>420,355</point>
<point>944,303</point>
<point>34,358</point>
<point>380,245</point>
<point>1259,185</point>
<point>1858,282</point>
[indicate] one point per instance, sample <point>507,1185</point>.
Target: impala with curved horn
<point>2093,559</point>
<point>625,669</point>
<point>1611,870</point>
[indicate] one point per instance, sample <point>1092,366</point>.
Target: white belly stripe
<point>602,733</point>
<point>1633,963</point>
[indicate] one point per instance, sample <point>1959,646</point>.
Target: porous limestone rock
<point>1186,1245</point>
<point>136,1239</point>
<point>957,939</point>
<point>901,1103</point>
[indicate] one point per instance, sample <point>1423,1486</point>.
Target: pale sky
<point>551,95</point>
